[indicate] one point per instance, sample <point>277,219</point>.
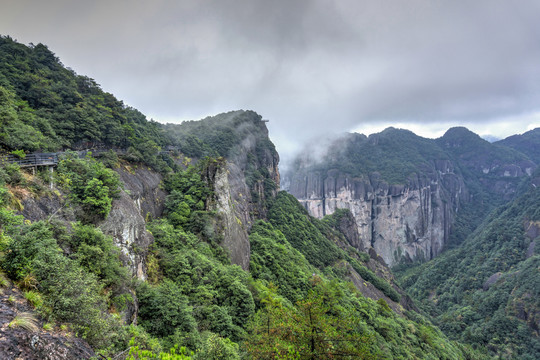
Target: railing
<point>51,159</point>
<point>31,160</point>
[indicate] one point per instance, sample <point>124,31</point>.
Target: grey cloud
<point>311,66</point>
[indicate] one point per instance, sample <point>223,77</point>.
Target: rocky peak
<point>243,182</point>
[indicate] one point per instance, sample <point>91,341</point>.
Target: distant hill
<point>528,143</point>
<point>457,218</point>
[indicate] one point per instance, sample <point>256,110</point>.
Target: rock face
<point>141,199</point>
<point>346,225</point>
<point>411,220</point>
<point>19,343</point>
<point>431,180</point>
<point>242,184</point>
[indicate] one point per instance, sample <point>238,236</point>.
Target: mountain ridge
<point>195,249</point>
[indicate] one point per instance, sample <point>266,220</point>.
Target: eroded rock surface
<point>243,183</point>
<point>411,220</point>
<point>19,343</point>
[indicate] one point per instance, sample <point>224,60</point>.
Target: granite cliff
<point>404,191</point>
<point>409,220</point>
<point>243,182</point>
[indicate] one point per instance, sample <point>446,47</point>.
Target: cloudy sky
<point>311,67</point>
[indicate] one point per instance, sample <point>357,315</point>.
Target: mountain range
<point>175,241</point>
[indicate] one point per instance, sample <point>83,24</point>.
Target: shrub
<point>91,185</point>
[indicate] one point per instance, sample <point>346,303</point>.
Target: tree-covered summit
<point>528,143</point>
<point>45,106</point>
<point>395,154</point>
<point>220,135</point>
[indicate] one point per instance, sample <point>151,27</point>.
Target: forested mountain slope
<point>413,198</point>
<point>528,143</point>
<point>487,290</point>
<point>191,253</point>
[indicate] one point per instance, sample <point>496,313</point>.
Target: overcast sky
<point>311,67</point>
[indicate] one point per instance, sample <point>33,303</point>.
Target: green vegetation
<point>33,298</point>
<point>45,106</point>
<point>395,154</point>
<point>238,136</point>
<point>295,302</point>
<point>316,240</point>
<point>188,195</point>
<point>91,186</point>
<point>472,149</point>
<point>274,261</point>
<point>527,143</point>
<point>334,320</point>
<point>138,354</point>
<point>34,250</point>
<point>217,135</point>
<point>200,290</point>
<point>479,292</point>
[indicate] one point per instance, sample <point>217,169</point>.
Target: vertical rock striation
<point>407,190</point>
<point>411,220</point>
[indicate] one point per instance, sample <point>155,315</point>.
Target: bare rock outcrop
<point>242,184</point>
<point>141,199</point>
<point>19,343</point>
<point>412,220</point>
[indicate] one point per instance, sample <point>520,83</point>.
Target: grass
<point>4,282</point>
<point>48,327</point>
<point>33,298</point>
<point>25,320</point>
<point>28,282</point>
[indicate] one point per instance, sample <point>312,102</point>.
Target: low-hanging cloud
<point>310,66</point>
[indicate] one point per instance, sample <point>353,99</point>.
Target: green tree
<point>317,328</point>
<point>164,311</point>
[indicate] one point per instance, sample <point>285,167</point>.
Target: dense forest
<point>297,298</point>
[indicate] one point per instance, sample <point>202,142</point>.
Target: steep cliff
<point>140,200</point>
<point>486,290</point>
<point>243,181</point>
<point>411,220</point>
<point>404,191</point>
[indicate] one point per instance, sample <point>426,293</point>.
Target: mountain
<point>487,290</point>
<point>408,193</point>
<point>173,241</point>
<point>456,217</point>
<point>527,143</point>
